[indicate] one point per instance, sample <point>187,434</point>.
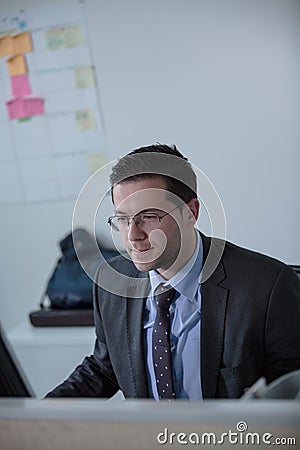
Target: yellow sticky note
<point>95,161</point>
<point>16,65</point>
<point>73,36</point>
<point>6,48</point>
<point>84,77</point>
<point>22,43</point>
<point>85,120</point>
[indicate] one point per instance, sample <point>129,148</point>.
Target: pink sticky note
<point>15,108</point>
<point>25,107</point>
<point>34,106</point>
<point>20,85</point>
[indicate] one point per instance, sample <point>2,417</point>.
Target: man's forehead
<point>138,200</point>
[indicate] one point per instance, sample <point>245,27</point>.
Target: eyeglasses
<point>142,220</point>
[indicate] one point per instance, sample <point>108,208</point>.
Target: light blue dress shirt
<point>185,312</point>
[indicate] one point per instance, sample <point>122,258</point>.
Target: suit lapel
<point>213,309</point>
<point>137,292</point>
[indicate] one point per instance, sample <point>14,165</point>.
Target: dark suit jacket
<point>249,328</point>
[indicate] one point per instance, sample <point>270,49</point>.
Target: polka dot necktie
<point>161,344</point>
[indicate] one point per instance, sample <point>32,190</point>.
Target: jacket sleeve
<point>94,377</point>
<point>282,330</point>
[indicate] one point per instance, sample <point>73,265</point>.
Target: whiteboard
<point>50,117</point>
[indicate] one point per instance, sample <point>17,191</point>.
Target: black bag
<point>69,287</point>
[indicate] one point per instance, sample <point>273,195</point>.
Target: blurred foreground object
<point>285,387</point>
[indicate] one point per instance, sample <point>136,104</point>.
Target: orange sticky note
<point>16,65</point>
<point>25,107</point>
<point>6,46</point>
<point>22,43</point>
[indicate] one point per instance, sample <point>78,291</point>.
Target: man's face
<point>151,246</point>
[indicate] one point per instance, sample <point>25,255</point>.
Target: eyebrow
<point>117,211</point>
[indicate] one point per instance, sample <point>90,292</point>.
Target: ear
<point>193,210</point>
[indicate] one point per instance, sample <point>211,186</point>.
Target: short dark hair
<point>157,160</point>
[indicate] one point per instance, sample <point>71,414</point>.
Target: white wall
<point>221,79</point>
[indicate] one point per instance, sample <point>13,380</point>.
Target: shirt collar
<point>187,280</point>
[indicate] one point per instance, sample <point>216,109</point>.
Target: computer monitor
<point>13,382</point>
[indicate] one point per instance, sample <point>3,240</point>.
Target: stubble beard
<point>163,262</point>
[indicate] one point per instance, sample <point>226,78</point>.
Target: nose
<point>135,233</point>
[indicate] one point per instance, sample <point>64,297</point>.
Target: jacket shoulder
<point>235,251</point>
<point>117,273</point>
<point>121,264</point>
<point>253,264</point>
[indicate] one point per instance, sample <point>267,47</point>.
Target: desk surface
<point>25,333</point>
<point>49,354</point>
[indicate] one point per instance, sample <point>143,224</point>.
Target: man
<point>166,330</point>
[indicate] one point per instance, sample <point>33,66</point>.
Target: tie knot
<point>164,297</point>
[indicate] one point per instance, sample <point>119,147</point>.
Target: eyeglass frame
<point>132,218</point>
